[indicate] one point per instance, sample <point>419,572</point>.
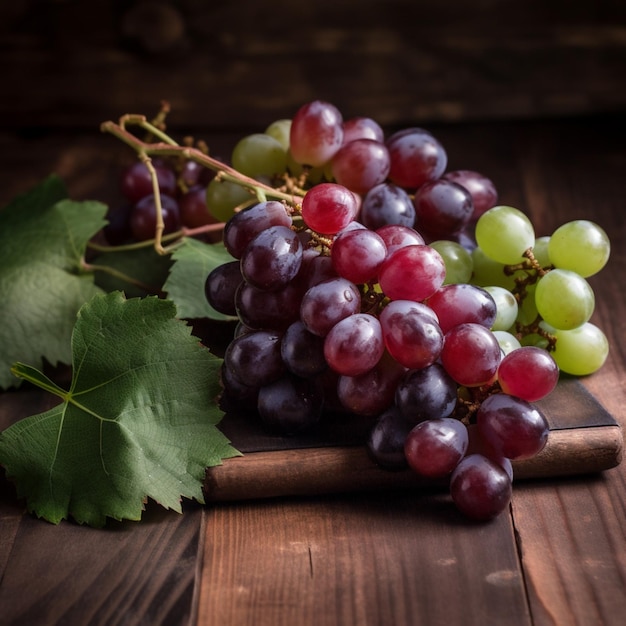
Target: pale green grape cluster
<point>554,301</point>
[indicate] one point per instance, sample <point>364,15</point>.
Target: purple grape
<point>254,358</point>
<point>272,259</point>
<point>245,225</point>
<point>434,447</point>
<point>442,208</point>
<point>385,443</point>
<point>513,427</point>
<point>327,303</point>
<point>302,351</point>
<point>221,287</point>
<point>290,405</point>
<point>354,345</point>
<point>427,393</point>
<point>385,204</point>
<point>480,488</point>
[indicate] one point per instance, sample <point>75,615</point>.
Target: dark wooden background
<point>242,63</point>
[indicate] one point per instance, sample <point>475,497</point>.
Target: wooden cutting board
<point>584,438</point>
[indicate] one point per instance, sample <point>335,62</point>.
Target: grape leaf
<point>139,420</point>
<point>43,237</point>
<point>144,265</point>
<point>194,260</point>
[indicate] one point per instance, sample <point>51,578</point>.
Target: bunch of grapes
<point>391,288</point>
<point>181,192</point>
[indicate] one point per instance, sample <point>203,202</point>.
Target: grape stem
<point>147,243</point>
<point>166,146</point>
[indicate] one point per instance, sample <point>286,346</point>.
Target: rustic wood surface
<point>533,95</point>
<point>239,63</point>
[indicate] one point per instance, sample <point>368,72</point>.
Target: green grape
<point>280,131</point>
<point>504,233</point>
<point>507,341</point>
<point>580,246</point>
<point>564,299</point>
<point>540,251</point>
<point>259,155</point>
<point>506,307</point>
<point>223,196</point>
<point>457,259</point>
<point>580,351</point>
<point>534,339</point>
<point>486,271</point>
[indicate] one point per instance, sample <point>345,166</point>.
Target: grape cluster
<point>182,188</point>
<point>403,292</point>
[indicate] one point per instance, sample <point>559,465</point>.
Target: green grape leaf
<point>139,420</point>
<point>146,268</point>
<point>194,260</point>
<point>43,237</point>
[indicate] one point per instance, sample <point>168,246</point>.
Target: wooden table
<point>406,557</point>
<point>537,106</point>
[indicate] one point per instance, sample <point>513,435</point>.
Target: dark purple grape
<point>480,488</point>
<point>272,259</point>
<point>302,351</point>
<point>245,225</point>
<point>260,309</point>
<point>221,287</point>
<point>143,217</point>
<point>428,393</point>
<point>118,231</point>
<point>254,358</point>
<point>361,164</point>
<point>358,254</point>
<point>411,332</point>
<point>136,182</point>
<point>442,208</point>
<point>237,396</point>
<point>387,203</point>
<point>354,345</point>
<point>194,212</point>
<point>385,443</point>
<point>290,405</point>
<point>372,392</point>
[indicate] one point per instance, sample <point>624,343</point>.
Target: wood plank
<point>572,541</point>
<point>401,559</point>
<point>127,573</point>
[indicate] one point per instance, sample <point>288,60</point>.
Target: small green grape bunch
<point>549,277</point>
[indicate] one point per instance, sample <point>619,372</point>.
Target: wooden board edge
<point>341,469</point>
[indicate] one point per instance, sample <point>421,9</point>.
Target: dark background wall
<point>240,64</point>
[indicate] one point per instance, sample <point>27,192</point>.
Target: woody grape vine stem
<point>166,146</point>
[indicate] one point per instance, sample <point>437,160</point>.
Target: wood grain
<point>400,560</point>
<point>408,62</point>
<point>394,556</point>
<point>128,573</point>
<point>571,538</point>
